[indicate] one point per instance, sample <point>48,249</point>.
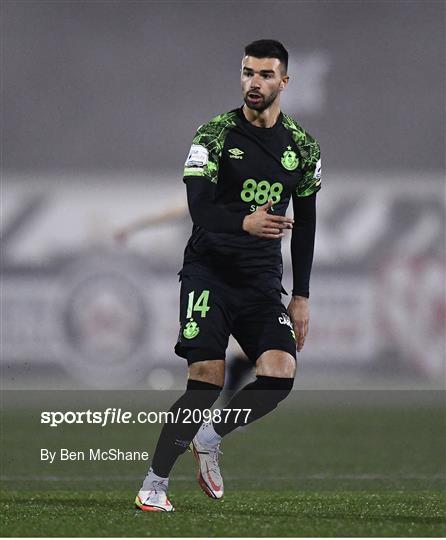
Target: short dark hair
<point>268,48</point>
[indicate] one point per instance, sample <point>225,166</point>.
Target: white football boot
<point>153,501</point>
<point>152,497</point>
<point>208,470</point>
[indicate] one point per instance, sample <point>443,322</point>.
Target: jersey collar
<point>260,132</point>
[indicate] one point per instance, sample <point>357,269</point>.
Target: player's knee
<point>276,364</point>
<point>286,369</point>
<point>209,371</point>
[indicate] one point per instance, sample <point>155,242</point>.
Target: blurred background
<point>100,101</point>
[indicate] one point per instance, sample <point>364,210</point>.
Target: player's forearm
<point>207,214</point>
<point>302,244</point>
<point>214,218</point>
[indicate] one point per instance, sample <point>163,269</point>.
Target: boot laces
<point>215,454</point>
<point>158,487</point>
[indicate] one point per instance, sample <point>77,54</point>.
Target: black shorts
<point>211,309</point>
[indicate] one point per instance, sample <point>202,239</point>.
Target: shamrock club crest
<point>289,159</point>
<point>191,330</point>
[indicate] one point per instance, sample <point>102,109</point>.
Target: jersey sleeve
<point>208,215</point>
<point>207,146</point>
<point>302,243</point>
<point>205,152</point>
<point>203,163</point>
<point>311,167</point>
<point>202,159</point>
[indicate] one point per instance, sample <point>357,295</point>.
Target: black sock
<point>261,396</point>
<point>176,437</point>
<point>238,370</point>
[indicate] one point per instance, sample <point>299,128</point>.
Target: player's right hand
<point>265,225</point>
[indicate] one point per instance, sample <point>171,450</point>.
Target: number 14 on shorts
<point>201,305</point>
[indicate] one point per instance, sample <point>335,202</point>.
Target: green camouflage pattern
<point>212,136</point>
<point>310,153</point>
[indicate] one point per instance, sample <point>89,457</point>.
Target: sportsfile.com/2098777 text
<point>114,415</point>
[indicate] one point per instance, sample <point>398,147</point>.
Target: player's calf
<point>261,397</point>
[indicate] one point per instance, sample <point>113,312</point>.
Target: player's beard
<point>263,104</point>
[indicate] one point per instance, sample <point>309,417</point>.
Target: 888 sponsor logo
<point>260,192</point>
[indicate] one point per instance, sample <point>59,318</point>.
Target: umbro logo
<point>236,153</point>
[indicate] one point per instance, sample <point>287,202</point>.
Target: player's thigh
<point>204,321</point>
<point>264,327</point>
<point>210,371</point>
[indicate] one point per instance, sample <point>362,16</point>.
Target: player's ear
<point>284,82</point>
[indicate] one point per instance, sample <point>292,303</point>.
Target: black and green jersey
<point>247,166</point>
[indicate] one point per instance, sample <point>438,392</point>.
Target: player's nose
<point>255,82</point>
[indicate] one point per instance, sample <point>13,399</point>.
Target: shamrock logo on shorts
<point>191,330</point>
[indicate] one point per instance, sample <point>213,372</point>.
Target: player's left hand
<point>299,311</point>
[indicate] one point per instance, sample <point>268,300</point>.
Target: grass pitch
<point>337,467</point>
<point>240,513</point>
